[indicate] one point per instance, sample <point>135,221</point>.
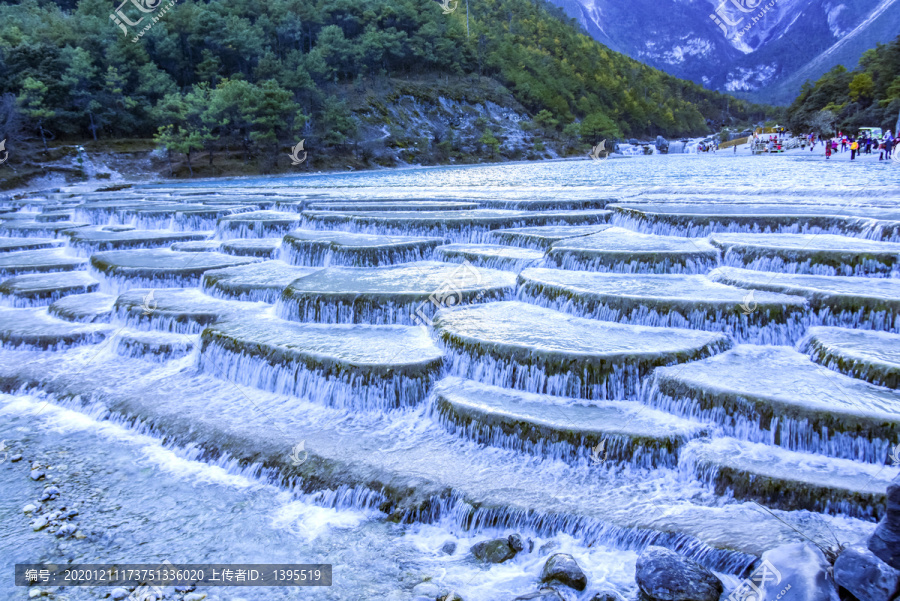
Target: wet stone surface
<point>486,383</point>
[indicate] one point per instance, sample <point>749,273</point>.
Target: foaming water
<point>385,503</point>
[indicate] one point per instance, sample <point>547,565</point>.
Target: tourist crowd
<point>863,143</point>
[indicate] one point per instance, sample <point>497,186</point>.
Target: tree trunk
<point>191,169</point>
<point>93,126</point>
<point>43,137</point>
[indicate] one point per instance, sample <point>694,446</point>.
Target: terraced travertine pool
<point>356,369</point>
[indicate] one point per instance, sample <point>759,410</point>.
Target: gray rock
<point>563,568</point>
<point>48,495</point>
<point>545,594</point>
<point>40,523</point>
<point>37,474</point>
<point>667,576</point>
<point>516,543</point>
<point>494,551</point>
<point>66,530</point>
<point>866,577</point>
<point>16,458</point>
<point>29,508</point>
<point>118,593</point>
<point>885,541</point>
<point>800,568</point>
<point>607,595</point>
<point>448,548</point>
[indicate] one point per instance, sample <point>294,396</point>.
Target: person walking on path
<point>827,149</point>
<point>854,146</point>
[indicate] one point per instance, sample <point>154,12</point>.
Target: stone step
<point>153,346</point>
<point>359,367</point>
<point>777,396</point>
<point>34,328</point>
<point>729,215</point>
<point>263,248</point>
<point>54,216</point>
<point>598,433</point>
<point>870,303</point>
<point>94,307</point>
<point>40,289</point>
<point>789,479</point>
<point>264,281</point>
<point>624,251</point>
<point>179,310</point>
<point>322,248</point>
<point>99,238</point>
<point>546,204</point>
<point>388,205</point>
<point>257,224</point>
<point>674,300</point>
<point>543,237</point>
<point>409,293</point>
<point>421,472</point>
<point>457,226</point>
<point>124,269</point>
<point>521,346</point>
<point>16,244</point>
<point>180,217</point>
<point>818,254</point>
<point>102,212</point>
<point>39,261</point>
<point>203,246</point>
<point>494,256</point>
<point>38,229</point>
<point>870,356</point>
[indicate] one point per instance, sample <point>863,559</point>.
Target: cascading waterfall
<point>377,382</point>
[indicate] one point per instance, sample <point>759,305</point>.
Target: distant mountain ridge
<point>771,48</point>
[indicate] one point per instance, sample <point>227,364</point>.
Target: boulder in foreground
<point>665,575</point>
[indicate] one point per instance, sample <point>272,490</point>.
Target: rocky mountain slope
<point>759,49</point>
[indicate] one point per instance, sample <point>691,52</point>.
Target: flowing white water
<point>184,419</point>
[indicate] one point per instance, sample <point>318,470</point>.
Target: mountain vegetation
<point>254,76</point>
<point>843,100</point>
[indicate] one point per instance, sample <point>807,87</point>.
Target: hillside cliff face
<point>759,49</point>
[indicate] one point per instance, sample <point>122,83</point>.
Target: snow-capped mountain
<point>760,49</point>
